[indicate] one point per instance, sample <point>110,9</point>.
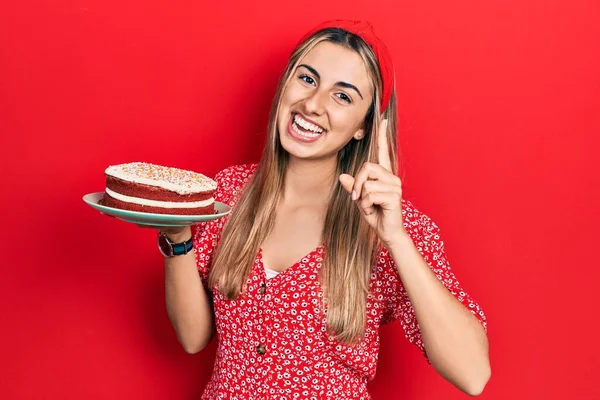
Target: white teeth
<point>307,125</point>
<point>305,134</point>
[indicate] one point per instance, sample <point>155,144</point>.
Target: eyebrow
<point>340,83</point>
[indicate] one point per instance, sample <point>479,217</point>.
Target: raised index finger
<point>384,150</point>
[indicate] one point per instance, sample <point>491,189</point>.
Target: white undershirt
<point>270,273</point>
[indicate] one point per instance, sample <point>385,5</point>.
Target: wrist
<point>400,241</point>
<point>175,243</point>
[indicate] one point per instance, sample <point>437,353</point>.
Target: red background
<point>500,116</point>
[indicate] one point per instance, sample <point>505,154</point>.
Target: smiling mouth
<point>305,128</point>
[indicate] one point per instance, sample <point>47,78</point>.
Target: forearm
<point>188,304</point>
<point>455,341</point>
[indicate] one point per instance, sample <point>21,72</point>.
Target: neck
<point>309,181</point>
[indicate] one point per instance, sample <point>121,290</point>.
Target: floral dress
<point>272,340</point>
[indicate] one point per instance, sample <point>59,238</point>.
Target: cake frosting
<point>158,203</point>
<point>174,179</point>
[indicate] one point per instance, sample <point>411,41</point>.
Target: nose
<point>315,103</point>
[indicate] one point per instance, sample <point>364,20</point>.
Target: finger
<point>347,182</point>
<point>385,200</point>
<point>367,205</point>
<point>384,150</point>
<point>379,187</point>
<point>371,171</point>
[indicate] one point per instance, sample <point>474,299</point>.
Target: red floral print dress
<point>272,341</point>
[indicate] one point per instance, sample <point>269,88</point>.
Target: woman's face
<point>325,102</point>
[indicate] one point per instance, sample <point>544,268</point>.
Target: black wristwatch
<point>170,249</point>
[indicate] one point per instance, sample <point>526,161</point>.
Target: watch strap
<point>170,249</point>
<point>183,247</point>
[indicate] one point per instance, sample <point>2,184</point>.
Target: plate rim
<point>92,199</point>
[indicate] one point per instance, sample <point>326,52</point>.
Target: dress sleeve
<point>428,240</point>
<point>230,183</point>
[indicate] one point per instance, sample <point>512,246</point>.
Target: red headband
<point>366,33</point>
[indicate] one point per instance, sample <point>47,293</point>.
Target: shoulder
<point>231,181</point>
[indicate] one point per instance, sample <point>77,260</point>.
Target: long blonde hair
<point>350,244</point>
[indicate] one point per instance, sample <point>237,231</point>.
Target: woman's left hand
<point>378,192</point>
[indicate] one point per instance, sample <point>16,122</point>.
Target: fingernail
<point>354,195</point>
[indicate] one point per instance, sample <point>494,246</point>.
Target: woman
<point>320,249</point>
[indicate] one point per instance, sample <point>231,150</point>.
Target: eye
<point>307,79</point>
<point>345,97</point>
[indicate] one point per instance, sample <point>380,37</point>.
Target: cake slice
<point>151,188</point>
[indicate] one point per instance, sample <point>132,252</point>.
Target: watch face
<point>164,246</point>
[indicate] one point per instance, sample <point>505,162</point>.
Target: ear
<point>359,134</point>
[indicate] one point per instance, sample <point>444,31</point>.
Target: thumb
<point>347,182</point>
